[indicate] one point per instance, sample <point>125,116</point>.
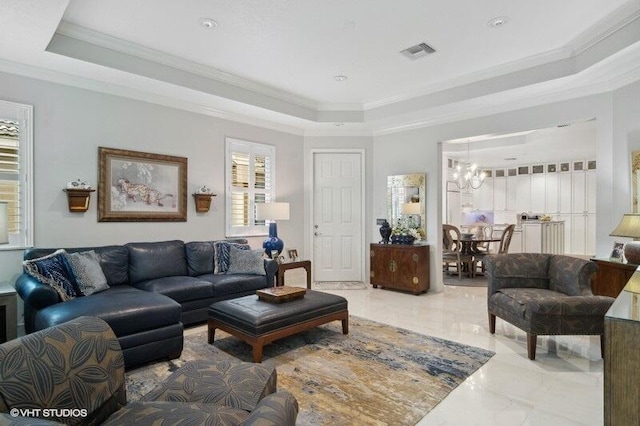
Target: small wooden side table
<point>8,313</point>
<point>282,267</point>
<point>611,277</point>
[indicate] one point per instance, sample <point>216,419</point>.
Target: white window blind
<point>10,171</point>
<point>16,148</point>
<point>250,171</point>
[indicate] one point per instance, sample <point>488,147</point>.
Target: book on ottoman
<point>280,294</point>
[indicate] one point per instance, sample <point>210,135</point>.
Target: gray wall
<point>70,124</point>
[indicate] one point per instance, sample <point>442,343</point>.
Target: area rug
<point>375,375</point>
<point>339,285</point>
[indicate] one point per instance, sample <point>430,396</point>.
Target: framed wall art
<point>141,187</point>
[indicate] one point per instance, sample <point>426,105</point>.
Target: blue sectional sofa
<point>154,289</point>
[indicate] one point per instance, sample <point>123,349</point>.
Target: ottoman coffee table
<point>258,322</point>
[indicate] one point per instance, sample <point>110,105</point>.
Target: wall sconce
<point>78,196</point>
<point>203,199</point>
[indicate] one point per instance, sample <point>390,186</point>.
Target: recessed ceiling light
<point>208,23</point>
<point>340,78</point>
<point>498,21</point>
<point>338,124</point>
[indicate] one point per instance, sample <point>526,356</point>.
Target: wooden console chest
<point>401,267</point>
<point>611,277</point>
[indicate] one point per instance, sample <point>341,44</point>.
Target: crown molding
<point>103,40</point>
<point>606,27</point>
<point>140,95</point>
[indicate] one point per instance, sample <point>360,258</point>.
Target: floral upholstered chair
<point>544,294</point>
<point>74,373</point>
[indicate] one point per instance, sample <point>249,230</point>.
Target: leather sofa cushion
<point>224,285</point>
<point>199,257</point>
<point>155,260</point>
<point>126,309</point>
<point>180,289</point>
<point>114,260</point>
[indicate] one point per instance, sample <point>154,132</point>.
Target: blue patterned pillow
<point>87,272</point>
<point>221,255</point>
<point>245,262</point>
<point>55,271</point>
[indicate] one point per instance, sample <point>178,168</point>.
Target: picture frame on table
<point>617,254</point>
<point>139,186</point>
<point>293,254</point>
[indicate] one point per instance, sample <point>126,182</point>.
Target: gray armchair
<point>75,370</point>
<point>544,294</point>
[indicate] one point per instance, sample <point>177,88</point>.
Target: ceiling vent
<point>418,51</point>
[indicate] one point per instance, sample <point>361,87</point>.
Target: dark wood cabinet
<point>400,267</point>
<point>611,277</point>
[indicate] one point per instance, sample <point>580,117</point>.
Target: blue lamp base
<point>273,243</point>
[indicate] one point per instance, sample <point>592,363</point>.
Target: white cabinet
<point>551,195</point>
<point>523,193</point>
<point>500,193</point>
<point>516,242</point>
<point>564,192</point>
<point>538,193</point>
<point>483,196</point>
<point>512,193</point>
<point>543,237</point>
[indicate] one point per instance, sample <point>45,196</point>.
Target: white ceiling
<point>272,62</point>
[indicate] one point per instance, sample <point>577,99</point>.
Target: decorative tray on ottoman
<point>280,294</point>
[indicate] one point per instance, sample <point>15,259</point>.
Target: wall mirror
<point>406,201</point>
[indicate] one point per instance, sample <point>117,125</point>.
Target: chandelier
<point>468,175</point>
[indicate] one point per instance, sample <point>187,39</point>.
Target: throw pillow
<point>87,271</point>
<point>54,270</point>
<point>245,262</point>
<point>221,255</point>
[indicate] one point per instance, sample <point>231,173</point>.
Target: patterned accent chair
<point>75,370</point>
<point>544,294</point>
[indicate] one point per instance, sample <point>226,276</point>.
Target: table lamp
<point>411,210</point>
<point>629,227</point>
<point>4,223</point>
<point>272,212</point>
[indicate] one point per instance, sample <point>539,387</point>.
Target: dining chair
<point>452,251</point>
<point>505,241</point>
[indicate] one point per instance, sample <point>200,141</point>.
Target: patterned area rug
<point>375,375</point>
<point>339,285</point>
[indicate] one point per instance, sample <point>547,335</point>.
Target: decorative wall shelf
<point>203,202</point>
<point>78,199</point>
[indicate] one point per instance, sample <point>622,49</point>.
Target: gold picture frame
<point>139,186</point>
<point>635,171</point>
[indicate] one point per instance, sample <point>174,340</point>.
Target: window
<point>15,172</point>
<point>249,180</point>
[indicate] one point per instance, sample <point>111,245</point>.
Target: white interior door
<point>337,216</point>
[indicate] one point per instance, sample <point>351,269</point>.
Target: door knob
<point>317,233</point>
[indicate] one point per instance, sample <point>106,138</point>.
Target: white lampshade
<point>4,223</point>
<point>628,227</point>
<point>272,211</point>
<point>411,208</point>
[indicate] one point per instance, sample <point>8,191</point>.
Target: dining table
<point>470,245</point>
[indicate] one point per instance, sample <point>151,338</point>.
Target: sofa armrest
<point>276,409</point>
<point>270,267</point>
<point>34,293</point>
<point>8,419</point>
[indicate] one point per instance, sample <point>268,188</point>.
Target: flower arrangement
<point>403,229</point>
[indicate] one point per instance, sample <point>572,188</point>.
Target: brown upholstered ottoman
<point>258,323</point>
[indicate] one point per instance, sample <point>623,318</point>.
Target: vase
<point>402,239</point>
<point>385,232</point>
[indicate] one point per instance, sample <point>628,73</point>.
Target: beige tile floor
<point>563,386</point>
